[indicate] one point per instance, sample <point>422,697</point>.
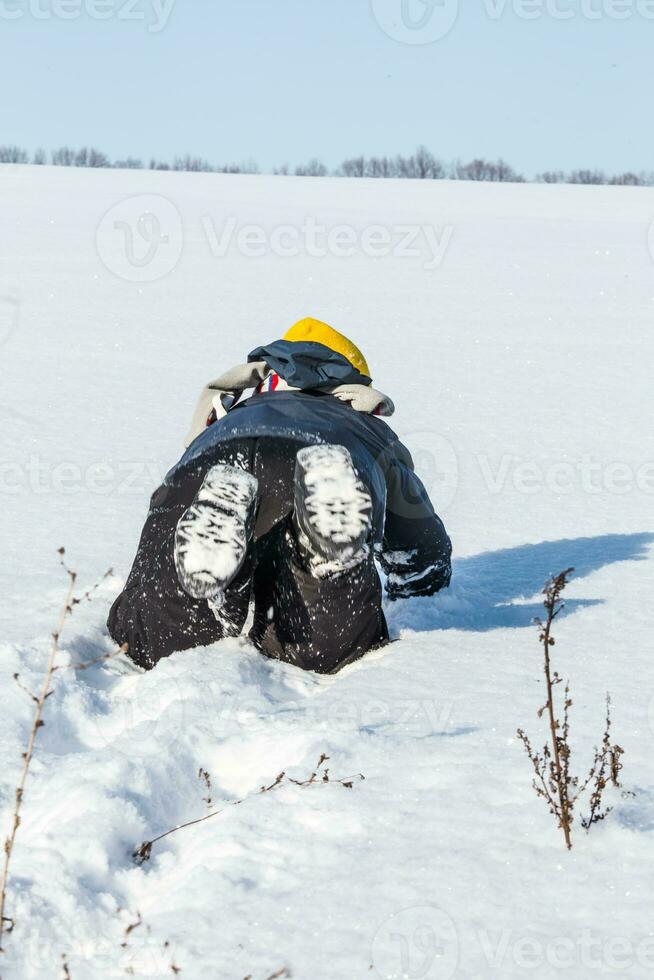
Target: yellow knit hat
<point>321,333</point>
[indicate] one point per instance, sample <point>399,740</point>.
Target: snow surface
<point>521,369</point>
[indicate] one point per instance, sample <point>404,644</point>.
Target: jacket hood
<point>306,364</point>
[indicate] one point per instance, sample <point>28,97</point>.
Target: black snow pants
<point>316,624</point>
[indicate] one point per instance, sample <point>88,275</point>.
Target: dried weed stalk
<point>205,776</point>
<point>284,972</point>
<point>129,929</point>
<point>553,780</point>
<point>144,851</point>
<point>6,923</point>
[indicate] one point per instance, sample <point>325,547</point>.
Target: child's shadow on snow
<point>488,590</point>
<point>638,814</point>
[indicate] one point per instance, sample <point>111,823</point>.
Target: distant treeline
<point>421,165</point>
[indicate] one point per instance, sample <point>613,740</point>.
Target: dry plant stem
<point>142,853</point>
<point>137,924</point>
<point>39,701</point>
<point>605,769</point>
<point>205,776</point>
<point>93,663</point>
<point>173,966</point>
<point>553,779</point>
<point>547,640</point>
<point>284,972</point>
<point>27,756</point>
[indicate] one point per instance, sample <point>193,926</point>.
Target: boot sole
<point>212,536</point>
<point>333,507</point>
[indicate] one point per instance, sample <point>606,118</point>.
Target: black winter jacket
<point>411,541</point>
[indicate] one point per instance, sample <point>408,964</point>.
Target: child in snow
<point>285,497</point>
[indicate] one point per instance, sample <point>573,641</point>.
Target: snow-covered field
<point>516,340</point>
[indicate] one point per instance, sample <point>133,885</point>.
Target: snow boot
<point>333,510</point>
<point>213,535</point>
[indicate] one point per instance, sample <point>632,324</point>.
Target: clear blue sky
<point>284,80</point>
